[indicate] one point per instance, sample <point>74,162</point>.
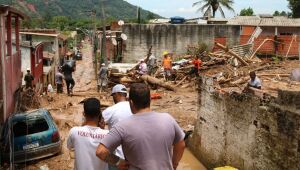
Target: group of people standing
<point>150,66</point>
<point>137,137</point>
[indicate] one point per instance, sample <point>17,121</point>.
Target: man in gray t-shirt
<point>150,140</point>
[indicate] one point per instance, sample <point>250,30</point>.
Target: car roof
<point>29,114</point>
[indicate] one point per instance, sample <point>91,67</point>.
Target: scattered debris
<point>29,99</point>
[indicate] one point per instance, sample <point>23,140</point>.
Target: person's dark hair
<point>91,107</point>
<point>139,93</point>
<point>252,73</point>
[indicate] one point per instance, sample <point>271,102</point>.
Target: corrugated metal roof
<point>257,21</point>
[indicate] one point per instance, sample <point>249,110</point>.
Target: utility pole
<point>94,44</point>
<point>103,49</point>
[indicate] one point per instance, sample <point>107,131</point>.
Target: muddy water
<point>190,162</point>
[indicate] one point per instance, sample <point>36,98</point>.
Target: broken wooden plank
<point>240,81</point>
<point>118,74</point>
<point>232,53</point>
<point>274,74</point>
<point>181,81</point>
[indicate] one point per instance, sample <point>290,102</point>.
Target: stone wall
<point>246,132</point>
<point>174,38</point>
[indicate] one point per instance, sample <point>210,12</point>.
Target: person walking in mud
<point>59,77</point>
<point>102,77</point>
<point>28,79</point>
<point>68,69</point>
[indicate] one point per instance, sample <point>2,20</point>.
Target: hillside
<point>118,9</point>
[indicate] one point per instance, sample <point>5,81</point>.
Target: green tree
<point>294,5</point>
<point>282,13</point>
<point>150,16</point>
<point>276,13</point>
<point>247,12</point>
<point>59,22</point>
<point>139,14</point>
<point>211,6</point>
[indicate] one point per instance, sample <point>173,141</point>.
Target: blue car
<point>30,136</point>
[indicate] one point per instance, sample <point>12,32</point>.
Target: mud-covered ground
<point>67,112</point>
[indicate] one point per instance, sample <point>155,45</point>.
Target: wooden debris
<point>181,81</point>
<point>240,81</point>
<point>155,81</point>
<point>232,53</point>
<point>145,59</point>
<point>274,74</point>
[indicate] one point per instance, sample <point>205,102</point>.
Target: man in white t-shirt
<point>85,139</point>
<point>255,81</point>
<point>118,112</point>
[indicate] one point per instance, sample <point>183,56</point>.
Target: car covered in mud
<point>29,136</point>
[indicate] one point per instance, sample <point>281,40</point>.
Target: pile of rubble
<point>28,100</point>
<point>229,68</point>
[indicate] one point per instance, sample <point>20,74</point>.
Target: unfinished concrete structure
<point>246,131</point>
<point>173,38</point>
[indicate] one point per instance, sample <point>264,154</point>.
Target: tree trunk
<point>155,81</point>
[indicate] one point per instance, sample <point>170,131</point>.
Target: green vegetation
<point>282,13</point>
<point>69,14</point>
<point>247,12</point>
<point>294,5</point>
<point>198,49</point>
<point>211,6</point>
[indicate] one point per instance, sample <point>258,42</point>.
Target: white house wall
<point>26,61</point>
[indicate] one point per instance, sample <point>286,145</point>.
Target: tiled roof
<point>268,21</point>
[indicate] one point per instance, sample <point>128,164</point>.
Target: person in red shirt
<point>196,69</point>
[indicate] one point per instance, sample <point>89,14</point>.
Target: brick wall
<point>269,46</point>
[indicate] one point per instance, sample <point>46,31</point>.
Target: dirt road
<point>67,112</point>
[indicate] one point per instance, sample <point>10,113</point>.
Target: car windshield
<point>30,126</point>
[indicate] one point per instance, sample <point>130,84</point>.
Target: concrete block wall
<point>173,38</point>
<point>242,131</point>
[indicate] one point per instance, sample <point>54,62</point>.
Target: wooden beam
<point>155,81</point>
<point>232,53</point>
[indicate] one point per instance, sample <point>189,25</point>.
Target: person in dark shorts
<point>68,69</point>
<point>59,81</point>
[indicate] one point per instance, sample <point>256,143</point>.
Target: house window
<point>6,37</point>
<point>13,35</point>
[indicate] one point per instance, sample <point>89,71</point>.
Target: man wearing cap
<point>150,140</point>
<point>28,79</point>
<point>102,77</point>
<point>118,112</point>
<point>85,139</point>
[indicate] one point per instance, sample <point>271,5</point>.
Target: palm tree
<point>208,6</point>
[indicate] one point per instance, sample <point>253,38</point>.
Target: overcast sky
<point>169,8</point>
